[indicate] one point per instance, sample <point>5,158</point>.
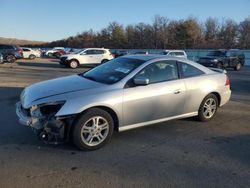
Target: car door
<point>163,97</point>
<point>93,56</point>
<point>86,57</point>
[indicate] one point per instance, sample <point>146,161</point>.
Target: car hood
<point>56,87</point>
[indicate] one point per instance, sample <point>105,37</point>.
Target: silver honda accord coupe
<point>122,94</point>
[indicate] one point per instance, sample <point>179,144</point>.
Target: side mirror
<point>141,81</point>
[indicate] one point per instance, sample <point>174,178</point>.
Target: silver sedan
<point>122,94</point>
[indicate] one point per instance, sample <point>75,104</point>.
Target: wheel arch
<point>74,59</point>
<point>111,112</point>
<point>217,96</point>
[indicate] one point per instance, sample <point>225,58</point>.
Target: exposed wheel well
<point>218,97</point>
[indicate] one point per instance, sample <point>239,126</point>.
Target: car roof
<point>174,50</point>
<point>152,57</point>
<point>95,49</point>
<point>158,57</point>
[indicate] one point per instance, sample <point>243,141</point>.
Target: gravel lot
<point>180,153</point>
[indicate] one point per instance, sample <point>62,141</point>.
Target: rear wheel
<point>93,129</point>
<point>73,64</point>
<point>237,67</point>
<point>208,108</point>
<point>11,58</point>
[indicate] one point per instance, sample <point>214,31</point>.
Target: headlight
<point>46,108</point>
<point>214,60</point>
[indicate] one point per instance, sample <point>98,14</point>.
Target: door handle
<point>177,91</point>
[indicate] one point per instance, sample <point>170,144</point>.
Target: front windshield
<point>79,51</point>
<point>216,53</point>
<point>113,71</point>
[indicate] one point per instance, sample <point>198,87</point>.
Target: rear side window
<point>188,71</point>
<point>179,53</point>
<point>26,50</point>
<point>99,51</point>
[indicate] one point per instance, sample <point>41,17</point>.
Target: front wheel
<point>11,58</point>
<point>73,64</point>
<point>208,108</point>
<point>93,129</point>
<point>219,65</point>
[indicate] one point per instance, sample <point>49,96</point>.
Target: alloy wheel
<point>209,108</point>
<point>95,131</point>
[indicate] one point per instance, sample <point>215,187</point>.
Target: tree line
<point>164,33</point>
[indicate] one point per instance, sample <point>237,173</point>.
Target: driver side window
<point>160,71</point>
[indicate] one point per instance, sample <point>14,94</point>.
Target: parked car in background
<point>119,53</point>
<point>141,52</point>
<point>224,59</point>
<point>50,52</point>
<point>31,53</point>
<point>121,95</point>
<point>11,52</point>
<point>86,56</point>
<point>58,53</point>
<point>175,53</point>
<point>1,58</point>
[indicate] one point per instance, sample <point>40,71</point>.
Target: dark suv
<point>11,52</point>
<point>224,59</point>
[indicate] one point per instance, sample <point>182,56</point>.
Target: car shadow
<point>47,65</point>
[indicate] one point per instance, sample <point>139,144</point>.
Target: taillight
<point>227,82</point>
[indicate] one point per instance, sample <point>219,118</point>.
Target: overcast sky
<point>48,20</point>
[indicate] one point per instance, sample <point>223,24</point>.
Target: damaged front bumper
<point>24,116</point>
<point>47,127</point>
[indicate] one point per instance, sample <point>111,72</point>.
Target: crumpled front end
<point>42,119</point>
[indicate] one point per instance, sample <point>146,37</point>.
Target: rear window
<point>216,53</point>
<point>179,53</point>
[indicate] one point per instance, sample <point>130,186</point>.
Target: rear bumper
<point>225,97</point>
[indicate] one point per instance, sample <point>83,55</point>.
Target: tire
<point>237,67</point>
<point>32,56</point>
<point>73,64</point>
<point>87,135</point>
<point>219,65</point>
<point>11,59</point>
<point>208,108</point>
<point>104,61</point>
